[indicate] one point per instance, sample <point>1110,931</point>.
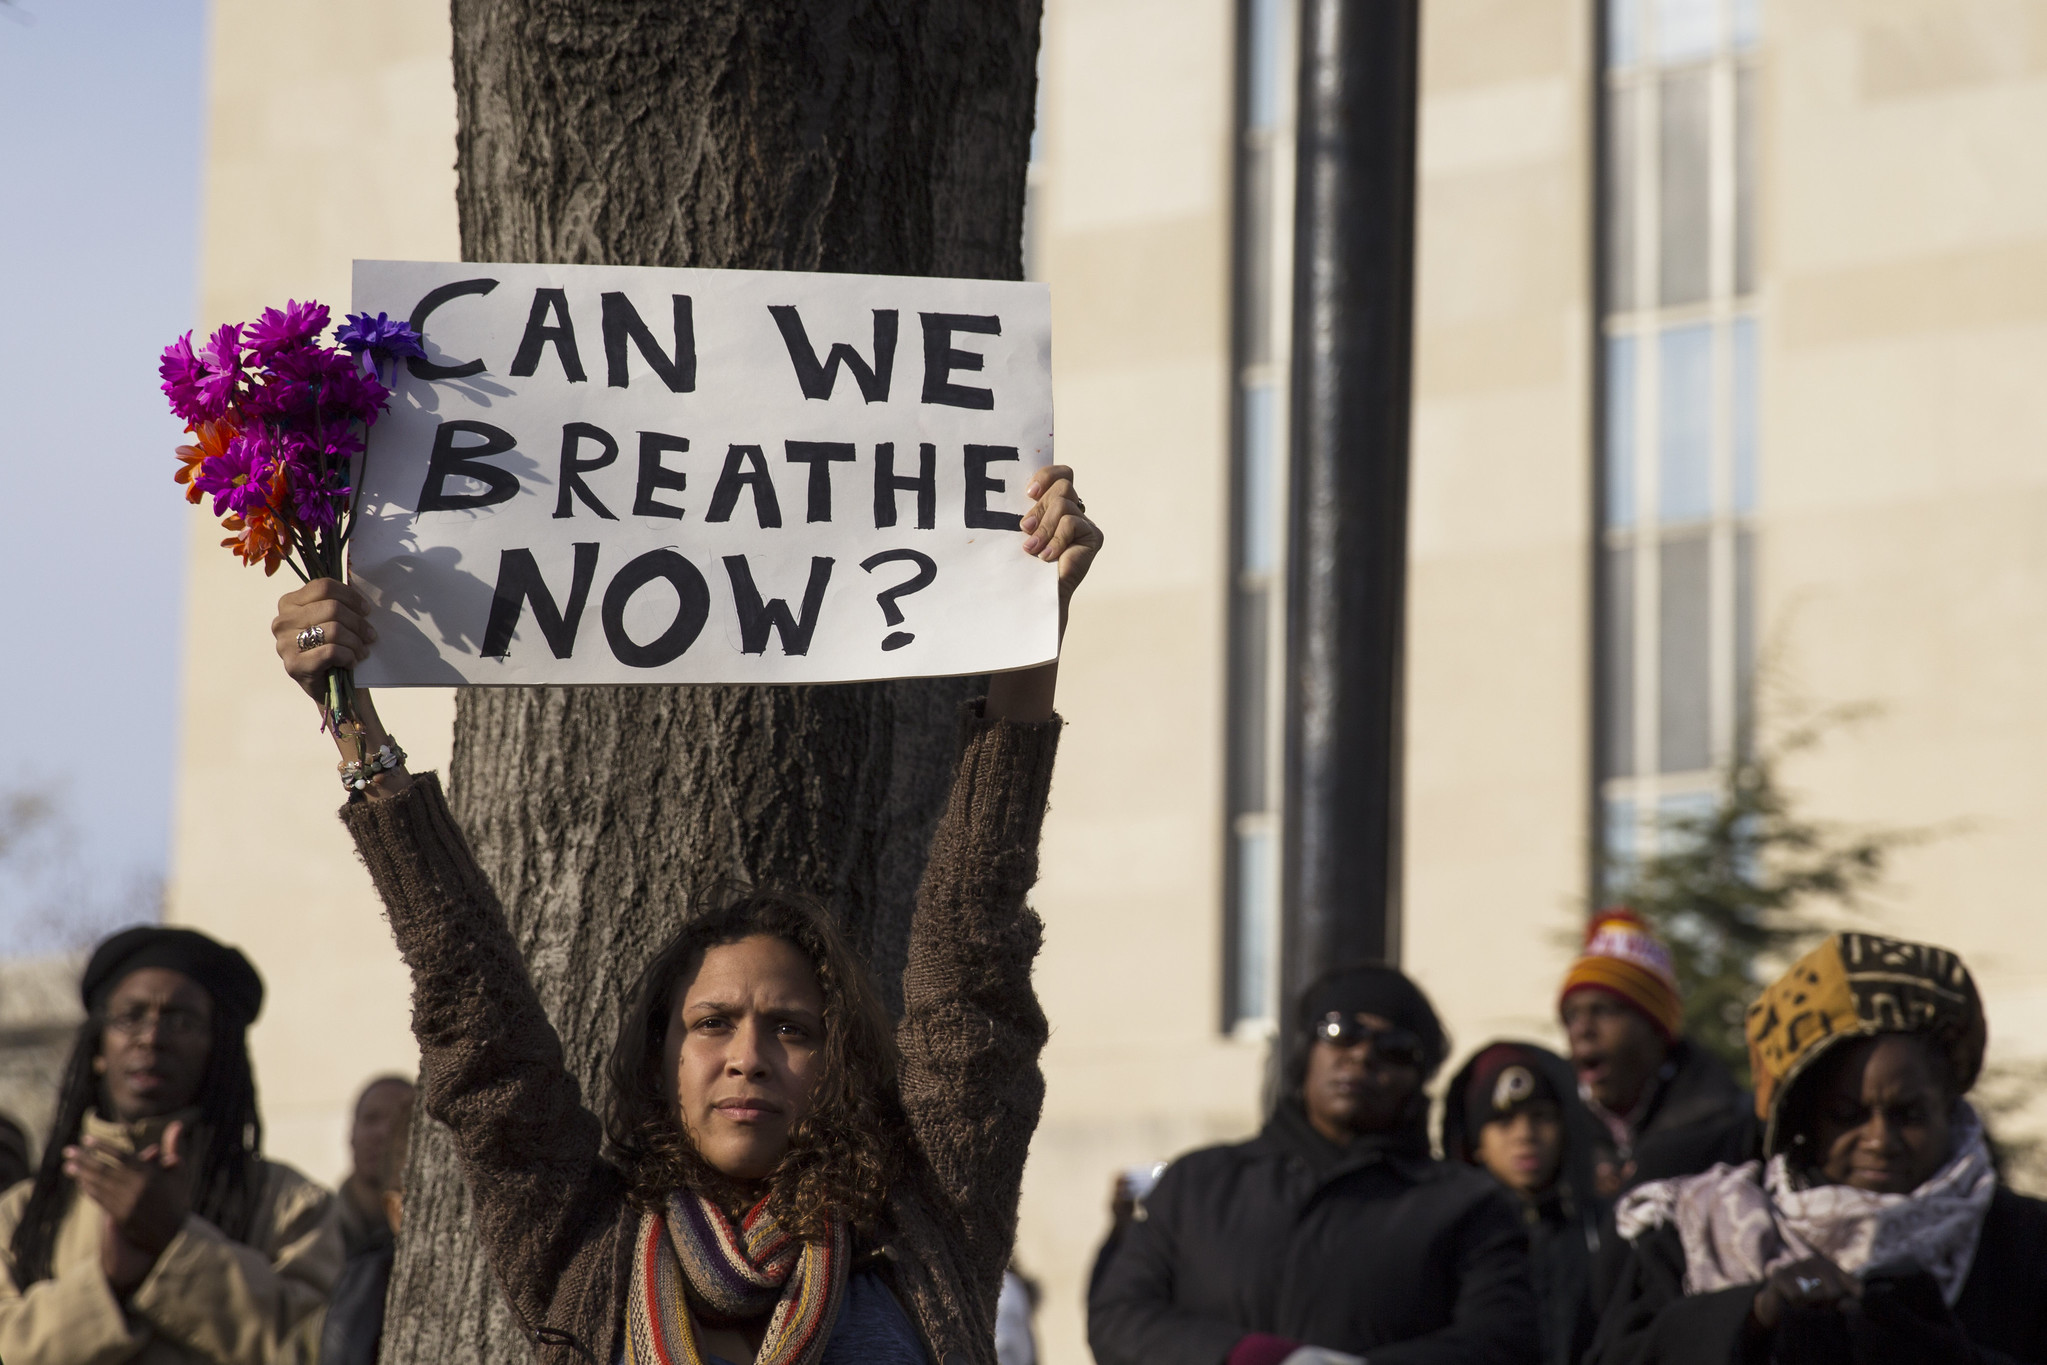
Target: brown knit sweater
<point>552,1211</point>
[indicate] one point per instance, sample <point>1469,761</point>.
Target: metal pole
<point>1347,572</point>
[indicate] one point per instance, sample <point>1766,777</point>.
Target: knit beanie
<point>1375,988</point>
<point>1623,957</point>
<point>1500,1081</point>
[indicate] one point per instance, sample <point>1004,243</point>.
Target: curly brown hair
<point>844,1153</point>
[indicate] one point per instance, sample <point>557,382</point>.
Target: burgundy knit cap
<point>1504,1078</point>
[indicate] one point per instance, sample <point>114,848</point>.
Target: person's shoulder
<point>2021,1213</point>
<point>1193,1173</point>
<point>1223,1156</point>
<point>1702,1088</point>
<point>289,1191</point>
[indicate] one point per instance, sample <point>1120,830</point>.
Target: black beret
<point>222,971</point>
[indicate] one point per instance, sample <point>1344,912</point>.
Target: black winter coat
<point>1700,1116</point>
<point>2000,1318</point>
<point>1371,1248</point>
<point>1566,1227</point>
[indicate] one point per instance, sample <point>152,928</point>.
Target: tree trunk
<point>881,136</point>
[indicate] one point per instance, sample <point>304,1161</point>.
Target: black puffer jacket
<point>1566,1225</point>
<point>1371,1248</point>
<point>2000,1318</point>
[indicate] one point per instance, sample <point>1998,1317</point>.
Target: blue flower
<point>383,337</point>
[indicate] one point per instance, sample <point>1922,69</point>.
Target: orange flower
<point>258,539</point>
<point>213,439</point>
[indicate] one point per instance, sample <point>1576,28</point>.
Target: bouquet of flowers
<point>278,420</point>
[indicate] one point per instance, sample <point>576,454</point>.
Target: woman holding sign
<point>781,1175</point>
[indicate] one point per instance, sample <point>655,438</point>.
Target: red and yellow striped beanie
<point>1623,957</point>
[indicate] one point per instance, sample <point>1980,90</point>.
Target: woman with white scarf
<point>1875,1231</point>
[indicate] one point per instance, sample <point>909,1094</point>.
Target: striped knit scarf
<point>691,1263</point>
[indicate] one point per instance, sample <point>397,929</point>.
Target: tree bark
<point>879,136</point>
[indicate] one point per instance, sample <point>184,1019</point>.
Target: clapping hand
<point>145,1196</point>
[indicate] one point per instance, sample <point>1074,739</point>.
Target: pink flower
<point>294,326</point>
<point>182,371</point>
<point>202,387</point>
<point>223,357</point>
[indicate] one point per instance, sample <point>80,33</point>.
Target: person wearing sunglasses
<point>1332,1235</point>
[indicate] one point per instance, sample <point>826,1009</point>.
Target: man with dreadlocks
<point>154,1232</point>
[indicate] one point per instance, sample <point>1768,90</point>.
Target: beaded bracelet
<point>358,776</point>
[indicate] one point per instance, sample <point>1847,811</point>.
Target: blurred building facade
<point>1729,320</point>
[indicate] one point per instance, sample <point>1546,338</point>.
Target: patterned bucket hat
<point>1853,986</point>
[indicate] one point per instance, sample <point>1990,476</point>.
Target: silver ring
<point>1078,505</point>
<point>312,637</point>
<point>1806,1286</point>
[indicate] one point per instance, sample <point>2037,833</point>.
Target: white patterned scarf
<point>1740,1223</point>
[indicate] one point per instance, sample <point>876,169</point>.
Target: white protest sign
<point>608,474</point>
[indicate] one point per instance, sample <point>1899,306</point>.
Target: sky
<point>101,129</point>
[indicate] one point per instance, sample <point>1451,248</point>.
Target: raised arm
<point>491,1063</point>
<point>972,1029</point>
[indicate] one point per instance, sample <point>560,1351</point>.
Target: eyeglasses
<point>1392,1044</point>
<point>171,1022</point>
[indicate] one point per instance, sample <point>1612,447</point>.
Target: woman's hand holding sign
<point>325,624</point>
<point>1058,531</point>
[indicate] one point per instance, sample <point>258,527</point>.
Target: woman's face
<point>744,1047</point>
<point>1881,1116</point>
<point>1358,1089</point>
<point>1523,1149</point>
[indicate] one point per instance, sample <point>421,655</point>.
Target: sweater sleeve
<point>491,1064</point>
<point>972,1029</point>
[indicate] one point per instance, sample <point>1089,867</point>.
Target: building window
<point>1257,619</point>
<point>1677,472</point>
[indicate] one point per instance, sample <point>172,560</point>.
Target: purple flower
<point>182,371</point>
<point>223,359</point>
<point>362,396</point>
<point>239,478</point>
<point>317,500</point>
<point>314,469</point>
<point>382,336</point>
<point>202,385</point>
<point>310,380</point>
<point>296,325</point>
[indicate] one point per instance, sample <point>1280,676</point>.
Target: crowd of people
<point>1630,1204</point>
<point>779,1172</point>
